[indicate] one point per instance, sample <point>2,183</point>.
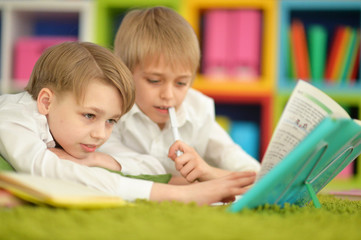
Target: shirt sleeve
<point>132,162</point>
<point>22,145</point>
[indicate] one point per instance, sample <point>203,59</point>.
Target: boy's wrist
<point>213,173</point>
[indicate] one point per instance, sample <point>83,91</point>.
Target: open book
<point>55,192</point>
<point>314,140</point>
<point>305,109</point>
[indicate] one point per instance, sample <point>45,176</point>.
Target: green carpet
<point>337,219</point>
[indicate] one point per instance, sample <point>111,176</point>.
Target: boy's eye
<point>153,81</point>
<point>89,115</point>
<point>182,83</point>
<point>112,121</point>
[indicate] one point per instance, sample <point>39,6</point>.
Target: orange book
<point>300,50</point>
<point>331,58</point>
<point>341,51</point>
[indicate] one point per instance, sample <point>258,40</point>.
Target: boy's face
<point>158,87</point>
<point>80,128</point>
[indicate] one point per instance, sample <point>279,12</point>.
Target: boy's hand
<point>191,166</point>
<point>222,189</point>
<point>95,159</point>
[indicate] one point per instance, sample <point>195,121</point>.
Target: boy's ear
<point>45,97</point>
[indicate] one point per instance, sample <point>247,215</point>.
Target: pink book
<point>215,44</point>
<point>353,194</point>
<point>347,172</point>
<point>27,52</point>
<point>245,43</point>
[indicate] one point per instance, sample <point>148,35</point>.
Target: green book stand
<point>297,179</point>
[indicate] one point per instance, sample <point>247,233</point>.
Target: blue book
<point>246,135</point>
<point>314,140</point>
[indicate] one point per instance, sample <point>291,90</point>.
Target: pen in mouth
<point>174,125</point>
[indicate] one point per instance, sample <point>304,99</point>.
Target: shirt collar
<point>41,120</point>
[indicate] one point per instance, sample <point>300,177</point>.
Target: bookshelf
<point>109,14</point>
<point>257,91</point>
<point>329,15</point>
<point>37,18</point>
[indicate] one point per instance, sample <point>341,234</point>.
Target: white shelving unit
<point>18,19</point>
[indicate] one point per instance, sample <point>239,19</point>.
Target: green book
<point>318,48</point>
<point>347,62</point>
<point>291,72</point>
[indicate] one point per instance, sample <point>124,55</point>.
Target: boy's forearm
<point>178,180</point>
<point>96,159</point>
<point>105,161</point>
<point>164,192</point>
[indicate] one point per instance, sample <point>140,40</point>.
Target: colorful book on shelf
<point>224,122</point>
<point>216,31</point>
<point>246,135</point>
<point>356,68</point>
<point>340,49</point>
<point>300,50</point>
<point>314,140</point>
<point>55,192</point>
<point>244,51</point>
<point>332,53</point>
<point>353,194</point>
<point>347,55</point>
<point>291,71</point>
<point>27,52</point>
<point>340,55</point>
<point>347,172</point>
<point>355,59</point>
<point>318,47</point>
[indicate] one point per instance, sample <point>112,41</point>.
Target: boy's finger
<point>186,169</point>
<point>192,176</point>
<point>246,181</point>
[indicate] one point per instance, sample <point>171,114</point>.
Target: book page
<point>305,109</point>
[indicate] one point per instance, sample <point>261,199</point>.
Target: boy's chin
<point>81,155</point>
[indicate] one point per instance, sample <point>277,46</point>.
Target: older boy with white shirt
<point>162,51</point>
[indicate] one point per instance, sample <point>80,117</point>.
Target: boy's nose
<point>167,92</point>
<point>99,132</point>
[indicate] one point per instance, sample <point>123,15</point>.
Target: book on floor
<point>56,192</point>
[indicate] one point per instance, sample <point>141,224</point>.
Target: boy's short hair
<point>146,34</point>
<point>71,66</point>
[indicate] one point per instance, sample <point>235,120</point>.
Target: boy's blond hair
<point>71,66</point>
<point>147,34</point>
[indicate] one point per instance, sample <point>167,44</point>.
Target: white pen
<point>174,125</point>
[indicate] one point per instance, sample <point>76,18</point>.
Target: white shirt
<point>25,137</point>
<point>137,136</point>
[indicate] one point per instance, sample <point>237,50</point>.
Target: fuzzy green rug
<point>337,219</point>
